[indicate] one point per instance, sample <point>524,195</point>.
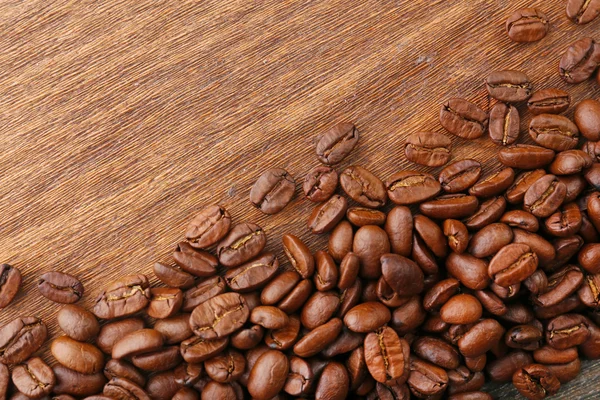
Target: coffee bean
<point>526,337</point>
<point>60,287</point>
<point>554,132</point>
<point>428,148</point>
<point>300,379</point>
<point>452,206</point>
<point>509,86</point>
<point>340,240</point>
<point>317,339</point>
<point>77,322</point>
<point>587,118</point>
<point>480,338</point>
<point>335,144</point>
<point>20,338</point>
<point>440,293</point>
<point>158,360</point>
<point>203,291</point>
<point>10,282</point>
<point>590,347</point>
<point>398,270</point>
<point>549,101</point>
<point>164,302</point>
<point>457,234</point>
<point>363,187</point>
<point>82,357</point>
<point>516,192</point>
<point>137,342</point>
<point>470,271</point>
<point>172,275</point>
<point>398,226</point>
<point>567,330</point>
<point>463,119</point>
<point>123,297</point>
<point>186,393</point>
<point>512,264</point>
<point>565,249</point>
<point>367,317</point>
<point>411,187</point>
<point>113,331</point>
<point>565,222</point>
<point>187,374</point>
<point>436,351</point>
<point>319,308</point>
<point>209,226</point>
<point>592,176</point>
<point>333,383</point>
<point>490,239</point>
<point>525,156</point>
<point>459,176</point>
<point>537,282</point>
<point>218,316</point>
<point>491,302</point>
<point>122,369</point>
<point>370,243</point>
<point>349,270</point>
<point>77,384</point>
<point>196,349</point>
<point>299,255</point>
<point>462,380</point>
<point>34,378</point>
<point>589,292</point>
<point>243,242</point>
<point>253,274</point>
<point>582,11</point>
<point>361,216</point>
<point>535,382</point>
<point>527,25</point>
<point>268,375</point>
<point>461,309</point>
<point>124,388</point>
<point>4,380</point>
<point>580,61</point>
<point>494,184</point>
<point>544,196</point>
<point>593,149</point>
<point>426,379</point>
<point>216,390</point>
<point>225,367</point>
<point>327,215</point>
<point>269,317</point>
<point>326,276</point>
<point>387,356</point>
<point>198,263</point>
<point>320,183</point>
<point>284,338</point>
<point>504,124</point>
<point>273,190</point>
<point>296,298</point>
<point>503,368</point>
<point>544,249</point>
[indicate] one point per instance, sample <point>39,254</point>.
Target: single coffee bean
<point>527,25</point>
<point>436,351</point>
<point>319,308</point>
<point>535,382</point>
<point>575,185</point>
<point>326,216</point>
<point>488,212</point>
<point>123,388</point>
<point>286,337</point>
<point>593,149</point>
<point>399,226</point>
<point>561,285</point>
<point>335,144</point>
<point>582,11</point>
<point>281,285</point>
<point>334,382</point>
<point>494,184</point>
<point>567,330</point>
<point>10,282</point>
<point>554,132</point>
<point>428,148</point>
<point>426,379</point>
<point>345,343</point>
<point>435,324</point>
<point>504,124</point>
<point>537,283</point>
<point>326,274</point>
<point>410,187</point>
<point>591,347</point>
<point>509,86</point>
<point>453,206</point>
<point>503,368</point>
<point>549,101</point>
<point>301,379</point>
<point>196,349</point>
<point>480,338</point>
<point>543,248</point>
<point>367,317</point>
<point>580,61</point>
<point>173,275</point>
<point>588,233</point>
<point>203,291</point>
<point>361,216</point>
<point>431,235</point>
<point>186,393</point>
<point>398,270</point>
<point>525,156</point>
<point>592,176</point>
<point>512,264</point>
<point>77,384</point>
<point>517,313</point>
<point>565,249</point>
<point>253,274</point>
<point>463,119</point>
<point>123,297</point>
<point>505,293</point>
<point>82,357</point>
<point>162,386</point>
<point>296,298</point>
<point>34,378</point>
<point>340,240</point>
<point>209,226</point>
<point>587,118</point>
<point>357,367</point>
<point>549,355</point>
<point>163,359</point>
<point>459,176</point>
<point>164,302</point>
<point>299,255</point>
<point>243,242</point>
<point>247,338</point>
<point>457,234</point>
<point>269,317</point>
<point>564,223</point>
<point>320,183</point>
<point>20,338</point>
<point>363,187</point>
<point>470,271</point>
<point>570,162</point>
<point>384,293</point>
<point>408,316</point>
<point>137,342</point>
<point>273,190</point>
<point>387,356</point>
<point>463,380</point>
<point>370,243</point>
<point>318,339</point>
<point>349,269</point>
<point>440,293</point>
<point>188,374</point>
<point>526,337</point>
<point>60,287</point>
<point>113,331</point>
<point>119,368</point>
<point>565,372</point>
<point>589,292</point>
<point>225,367</point>
<point>218,316</point>
<point>545,196</point>
<point>198,263</point>
<point>491,302</point>
<point>489,240</point>
<point>567,305</point>
<point>77,322</point>
<point>461,309</point>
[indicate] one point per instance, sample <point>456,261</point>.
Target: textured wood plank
<point>119,119</point>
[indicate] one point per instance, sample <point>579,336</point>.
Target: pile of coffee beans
<point>467,279</point>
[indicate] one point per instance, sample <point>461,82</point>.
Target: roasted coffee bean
<point>384,293</point>
<point>162,386</point>
<point>509,86</point>
<point>247,338</point>
<point>253,274</point>
<point>591,347</point>
<point>589,292</point>
<point>543,248</point>
<point>545,196</point>
<point>119,368</point>
<point>269,317</point>
<point>243,242</point>
<point>537,283</point>
<point>82,357</point>
<point>575,184</point>
<point>505,293</point>
<point>435,324</point>
<point>399,228</point>
<point>453,206</point>
<point>512,264</point>
<point>457,234</point>
<point>137,342</point>
<point>349,269</point>
<point>436,351</point>
<point>475,395</point>
<point>491,302</point>
<point>503,368</point>
<point>463,118</point>
<point>411,187</point>
<point>588,233</point>
<point>565,249</point>
<point>428,148</point>
<point>319,308</point>
<point>426,379</point>
<point>370,243</point>
<point>333,383</point>
<point>463,380</point>
<point>186,394</point>
<point>345,343</point>
<point>527,25</point>
<point>592,176</point>
<point>564,223</point>
<point>326,216</point>
<point>34,378</point>
<point>188,374</point>
<point>20,338</point>
<point>367,317</point>
<point>526,337</point>
<point>123,297</point>
<point>340,239</point>
<point>77,322</point>
<point>504,124</point>
<point>363,187</point>
<point>518,313</point>
<point>461,309</point>
<point>516,192</point>
<point>198,263</point>
<point>525,156</point>
<point>286,337</point>
<point>76,384</point>
<point>423,256</point>
<point>476,364</point>
<point>567,330</point>
<point>357,367</point>
<point>488,212</point>
<point>159,360</point>
<point>123,388</point>
<point>164,302</point>
<point>470,271</point>
<point>173,275</point>
<point>218,316</point>
<point>226,367</point>
<point>299,255</point>
<point>570,162</point>
<point>320,183</point>
<point>281,285</point>
<point>273,190</point>
<point>4,381</point>
<point>268,375</point>
<point>459,176</point>
<point>296,297</point>
<point>196,349</point>
<point>587,117</point>
<point>202,291</point>
<point>535,382</point>
<point>60,287</point>
<point>326,274</point>
<point>113,331</point>
<point>549,101</point>
<point>431,235</point>
<point>335,144</point>
<point>317,339</point>
<point>593,149</point>
<point>10,282</point>
<point>387,356</point>
<point>582,11</point>
<point>440,293</point>
<point>398,270</point>
<point>209,226</point>
<point>480,338</point>
<point>361,216</point>
<point>554,132</point>
<point>589,258</point>
<point>489,240</point>
<point>580,61</point>
<point>567,305</point>
<point>301,379</point>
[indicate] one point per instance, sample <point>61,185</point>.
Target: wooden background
<point>120,119</point>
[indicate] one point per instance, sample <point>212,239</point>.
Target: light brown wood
<point>120,119</point>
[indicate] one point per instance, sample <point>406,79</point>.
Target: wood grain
<point>120,119</point>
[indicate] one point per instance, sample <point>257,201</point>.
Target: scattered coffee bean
<point>504,124</point>
<point>554,132</point>
<point>587,119</point>
<point>209,226</point>
<point>579,61</point>
<point>428,148</point>
<point>320,183</point>
<point>10,282</point>
<point>463,119</point>
<point>549,101</point>
<point>527,25</point>
<point>509,86</point>
<point>273,190</point>
<point>583,11</point>
<point>60,287</point>
<point>335,144</point>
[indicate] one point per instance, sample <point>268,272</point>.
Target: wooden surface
<point>120,119</point>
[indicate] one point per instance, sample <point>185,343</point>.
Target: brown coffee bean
<point>453,206</point>
<point>489,240</point>
<point>164,302</point>
<point>226,367</point>
<point>253,274</point>
<point>367,317</point>
<point>286,337</point>
<point>503,368</point>
<point>567,330</point>
<point>525,156</point>
<point>589,258</point>
<point>113,331</point>
<point>269,317</point>
<point>273,190</point>
<point>505,293</point>
<point>162,386</point>
<point>526,337</point>
<point>587,119</point>
<point>549,355</point>
<point>592,176</point>
<point>410,187</point>
<point>460,175</point>
<point>516,192</point>
<point>349,269</point>
<point>20,338</point>
<point>160,360</point>
<point>428,148</point>
<point>334,382</point>
<point>509,86</point>
<point>79,356</point>
<point>480,338</point>
<point>408,316</point>
<point>281,285</point>
<point>335,144</point>
<point>122,369</point>
<point>384,293</point>
<point>591,347</point>
<point>209,226</point>
<point>387,356</point>
<point>512,264</point>
<point>461,309</point>
<point>76,384</point>
<point>535,382</point>
<point>319,308</point>
<point>440,293</point>
<point>345,343</point>
<point>423,256</point>
<point>34,378</point>
<point>123,388</point>
<point>488,212</point>
<point>544,249</point>
<point>580,61</point>
<point>296,297</point>
<point>431,235</point>
<point>363,187</point>
<point>398,270</point>
<point>549,101</point>
<point>565,249</point>
<point>219,316</point>
<point>370,243</point>
<point>317,339</point>
<point>564,223</point>
<point>463,380</point>
<point>243,242</point>
<point>77,322</point>
<point>247,338</point>
<point>326,274</point>
<point>436,351</point>
<point>198,263</point>
<point>4,381</point>
<point>361,216</point>
<point>10,282</point>
<point>435,324</point>
<point>588,233</point>
<point>527,25</point>
<point>196,349</point>
<point>326,216</point>
<point>582,11</point>
<point>60,287</point>
<point>426,379</point>
<point>340,240</point>
<point>203,291</point>
<point>593,149</point>
<point>504,124</point>
<point>188,374</point>
<point>299,255</point>
<point>544,196</point>
<point>554,132</point>
<point>186,394</point>
<point>320,183</point>
<point>301,378</point>
<point>123,297</point>
<point>565,372</point>
<point>491,302</point>
<point>399,227</point>
<point>173,276</point>
<point>575,184</point>
<point>589,292</point>
<point>537,282</point>
<point>137,342</point>
<point>517,313</point>
<point>463,118</point>
<point>470,271</point>
<point>520,219</point>
<point>457,234</point>
<point>471,396</point>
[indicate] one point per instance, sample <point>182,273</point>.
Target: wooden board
<point>120,119</point>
